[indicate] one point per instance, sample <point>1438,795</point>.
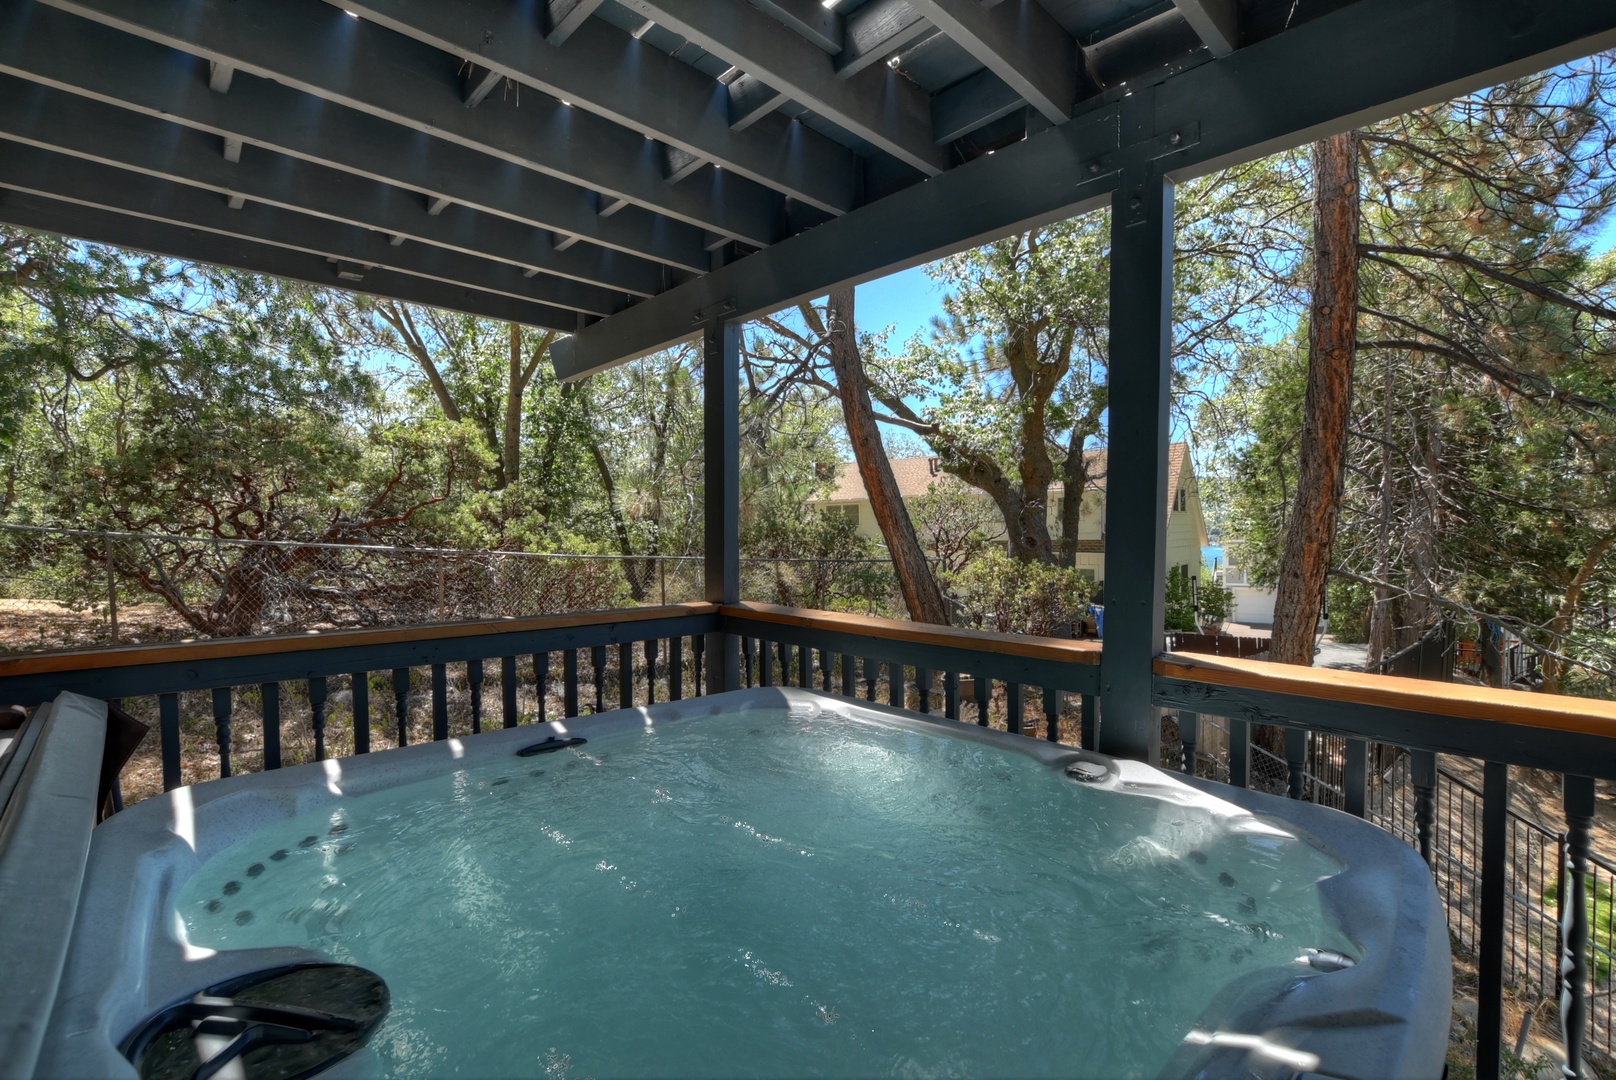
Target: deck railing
<point>255,691</point>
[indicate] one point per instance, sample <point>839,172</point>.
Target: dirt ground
<point>41,625</point>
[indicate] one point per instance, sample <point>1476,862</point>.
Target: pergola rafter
<point>322,51</point>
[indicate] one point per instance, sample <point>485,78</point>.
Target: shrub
<point>996,592</point>
<point>1180,608</point>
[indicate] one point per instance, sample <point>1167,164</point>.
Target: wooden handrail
<point>136,655</point>
<point>1551,711</point>
<point>988,641</point>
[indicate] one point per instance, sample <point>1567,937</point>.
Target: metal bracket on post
<point>713,313</point>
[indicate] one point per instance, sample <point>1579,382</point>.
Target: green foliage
<point>996,592</point>
<point>1481,466</point>
<point>1216,601</point>
<point>956,525</point>
<point>1180,605</point>
<point>1350,604</point>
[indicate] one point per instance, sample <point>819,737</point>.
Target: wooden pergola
<point>638,172</point>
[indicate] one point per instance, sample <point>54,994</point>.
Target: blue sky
<point>908,300</point>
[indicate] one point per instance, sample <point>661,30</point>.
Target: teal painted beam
<point>193,245</point>
<point>55,49</point>
<point>320,50</point>
<point>607,71</point>
<point>1363,62</point>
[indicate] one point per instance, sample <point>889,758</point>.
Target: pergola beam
<point>967,205</point>
<point>50,175</point>
<point>318,49</point>
<point>810,18</point>
<point>605,70</point>
<point>876,32</point>
<point>1216,23</point>
<point>1019,42</point>
<point>968,105</point>
<point>564,17</point>
<point>879,106</point>
<point>1373,59</point>
<point>104,227</point>
<point>60,50</point>
<point>39,116</point>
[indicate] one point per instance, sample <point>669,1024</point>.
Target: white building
<point>1186,526</point>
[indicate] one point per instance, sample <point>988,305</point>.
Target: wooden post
<point>1136,511</point>
<point>721,445</point>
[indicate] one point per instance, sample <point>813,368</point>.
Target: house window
<point>1181,501</point>
<point>849,514</point>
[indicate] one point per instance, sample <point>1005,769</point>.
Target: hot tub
<point>770,883</point>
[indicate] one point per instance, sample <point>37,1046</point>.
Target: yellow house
<point>1186,526</point>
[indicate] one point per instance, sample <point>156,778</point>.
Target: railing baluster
<point>849,676</point>
<point>923,687</point>
<point>1239,752</point>
<point>951,695</point>
<point>440,702</point>
<point>625,675</point>
<point>221,726</point>
<point>597,664</point>
<point>1355,777</point>
<point>1089,721</point>
<point>507,692</point>
<point>746,661</point>
<point>652,647</point>
<point>1295,762</point>
<point>1189,736</point>
<point>984,691</point>
<point>474,682</point>
<point>1490,950</point>
<point>569,683</point>
<point>676,669</point>
<point>872,675</point>
<point>765,664</point>
<point>1422,774</point>
<point>1014,706</point>
<point>271,692</point>
<point>168,712</point>
<point>805,667</point>
<point>698,670</point>
<point>785,663</point>
<point>401,703</point>
<point>359,691</point>
<point>1052,704</point>
<point>317,696</point>
<point>541,684</point>
<point>825,673</point>
<point>1574,923</point>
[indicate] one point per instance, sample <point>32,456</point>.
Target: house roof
<point>916,475</point>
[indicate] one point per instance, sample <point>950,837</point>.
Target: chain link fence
<point>73,588</point>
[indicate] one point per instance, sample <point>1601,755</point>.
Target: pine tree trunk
<point>920,592</point>
<point>1565,618</point>
<point>511,451</point>
<point>1380,618</point>
<point>1332,341</point>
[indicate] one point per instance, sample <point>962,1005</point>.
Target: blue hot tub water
<point>774,893</point>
